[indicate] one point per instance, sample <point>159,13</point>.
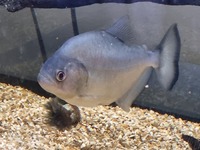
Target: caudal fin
<point>169,51</point>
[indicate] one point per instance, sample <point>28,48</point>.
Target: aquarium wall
<point>23,38</point>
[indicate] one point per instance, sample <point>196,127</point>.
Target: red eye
<point>60,76</point>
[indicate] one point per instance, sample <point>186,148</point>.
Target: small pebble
<point>26,123</point>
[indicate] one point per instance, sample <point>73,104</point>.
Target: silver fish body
<point>97,68</point>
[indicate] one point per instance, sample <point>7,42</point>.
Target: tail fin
<point>169,50</point>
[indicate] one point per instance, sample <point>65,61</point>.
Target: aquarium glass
<point>24,40</point>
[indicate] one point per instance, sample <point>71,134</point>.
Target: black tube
<point>74,21</point>
<point>14,5</point>
<point>39,36</point>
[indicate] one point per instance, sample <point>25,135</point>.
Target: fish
<point>99,68</point>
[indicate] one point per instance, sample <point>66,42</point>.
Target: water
<point>20,54</point>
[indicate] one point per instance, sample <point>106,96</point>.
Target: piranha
<point>99,68</point>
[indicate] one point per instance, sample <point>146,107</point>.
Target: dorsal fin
<point>121,29</point>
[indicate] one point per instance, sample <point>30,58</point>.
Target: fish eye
<point>60,75</point>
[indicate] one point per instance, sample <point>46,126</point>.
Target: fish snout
<point>39,78</point>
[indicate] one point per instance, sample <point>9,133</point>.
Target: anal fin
<point>127,99</point>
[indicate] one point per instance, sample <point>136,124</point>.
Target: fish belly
<point>106,87</point>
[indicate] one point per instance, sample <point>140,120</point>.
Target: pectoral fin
<point>127,99</point>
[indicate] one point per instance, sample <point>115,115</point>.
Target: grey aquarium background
<point>21,57</point>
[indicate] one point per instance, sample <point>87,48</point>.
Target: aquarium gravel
<point>25,124</point>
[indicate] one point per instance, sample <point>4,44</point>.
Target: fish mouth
<point>45,81</point>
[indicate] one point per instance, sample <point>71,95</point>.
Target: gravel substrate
<point>25,124</point>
